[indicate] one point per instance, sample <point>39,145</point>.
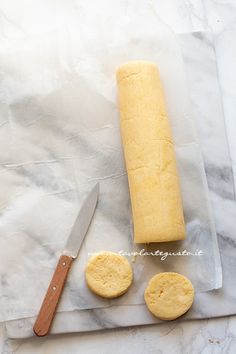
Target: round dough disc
<point>108,274</point>
<point>169,295</point>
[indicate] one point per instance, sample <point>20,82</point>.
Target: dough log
<point>149,155</point>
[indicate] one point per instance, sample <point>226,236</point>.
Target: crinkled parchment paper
<point>59,134</point>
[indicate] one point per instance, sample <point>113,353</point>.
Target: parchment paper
<point>60,134</point>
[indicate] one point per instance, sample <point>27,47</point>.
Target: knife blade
<point>82,223</point>
<point>48,308</point>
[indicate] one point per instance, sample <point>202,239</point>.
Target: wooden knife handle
<point>52,297</point>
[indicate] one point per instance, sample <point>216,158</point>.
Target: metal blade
<point>82,223</point>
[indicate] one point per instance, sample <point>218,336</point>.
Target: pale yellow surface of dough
<point>149,155</point>
<point>169,295</point>
<point>108,274</point>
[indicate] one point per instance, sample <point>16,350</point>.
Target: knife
<point>74,242</point>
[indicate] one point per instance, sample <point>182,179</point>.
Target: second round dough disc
<point>108,274</point>
<point>169,295</point>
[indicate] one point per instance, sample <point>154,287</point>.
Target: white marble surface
<point>214,336</point>
<point>217,336</point>
<point>222,21</point>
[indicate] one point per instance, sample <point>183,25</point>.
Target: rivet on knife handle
<point>50,302</point>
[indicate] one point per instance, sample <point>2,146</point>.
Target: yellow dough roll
<point>169,295</point>
<point>149,155</point>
